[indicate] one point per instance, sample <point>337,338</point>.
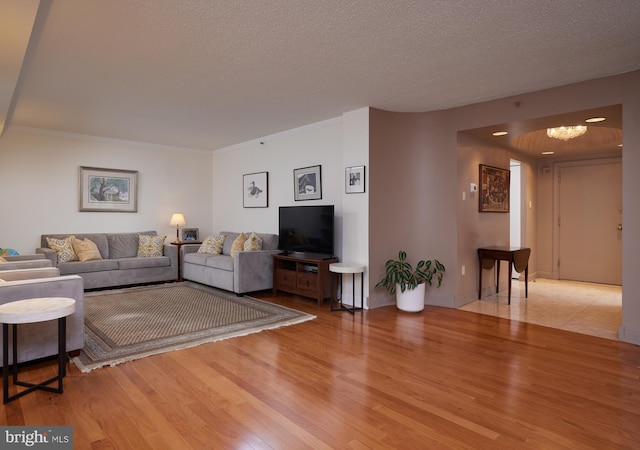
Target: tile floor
<point>587,308</point>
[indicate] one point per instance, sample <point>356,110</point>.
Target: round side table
<point>347,268</point>
<point>31,311</point>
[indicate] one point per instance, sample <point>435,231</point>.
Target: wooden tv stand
<point>304,275</point>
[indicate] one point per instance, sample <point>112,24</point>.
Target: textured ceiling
<point>211,73</point>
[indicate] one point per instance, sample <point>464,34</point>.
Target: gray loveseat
<point>39,340</point>
<point>120,265</point>
<point>244,272</point>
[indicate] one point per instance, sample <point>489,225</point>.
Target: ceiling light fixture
<point>596,119</point>
<point>566,133</point>
<point>500,133</point>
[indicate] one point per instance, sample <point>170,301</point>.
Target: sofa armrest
<point>38,339</point>
<point>172,252</point>
<point>24,264</point>
<point>13,258</point>
<point>253,271</point>
<point>29,274</point>
<point>49,254</point>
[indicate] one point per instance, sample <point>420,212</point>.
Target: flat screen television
<point>306,229</point>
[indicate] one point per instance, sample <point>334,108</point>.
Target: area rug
<point>129,324</point>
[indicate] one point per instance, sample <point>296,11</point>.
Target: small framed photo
<point>108,190</point>
<point>307,183</point>
<point>255,190</point>
<point>189,235</point>
<point>354,180</point>
<point>494,189</point>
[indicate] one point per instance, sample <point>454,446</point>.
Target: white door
<point>590,215</point>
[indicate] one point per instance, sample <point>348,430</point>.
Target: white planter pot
<point>410,300</point>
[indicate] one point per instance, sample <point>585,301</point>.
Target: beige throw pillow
<point>2,259</point>
<point>212,244</point>
<point>238,244</point>
<point>150,246</point>
<point>253,243</point>
<point>86,250</point>
<point>64,248</point>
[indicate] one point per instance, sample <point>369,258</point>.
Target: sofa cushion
<point>212,244</point>
<point>77,267</point>
<point>64,248</point>
<point>150,246</point>
<point>196,258</point>
<point>228,241</point>
<point>222,262</point>
<point>123,245</point>
<point>253,243</point>
<point>86,250</point>
<point>144,262</point>
<point>100,239</point>
<point>2,259</point>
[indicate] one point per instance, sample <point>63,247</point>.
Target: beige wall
<point>415,189</point>
<point>39,186</point>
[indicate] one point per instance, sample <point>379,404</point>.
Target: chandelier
<point>566,133</point>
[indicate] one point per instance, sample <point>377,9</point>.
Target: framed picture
<point>494,189</point>
<point>255,190</point>
<point>354,180</point>
<point>108,190</point>
<point>307,183</point>
<point>189,234</point>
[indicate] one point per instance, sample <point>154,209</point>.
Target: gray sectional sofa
<point>120,265</point>
<point>244,272</point>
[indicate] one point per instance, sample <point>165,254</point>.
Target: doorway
<point>588,207</point>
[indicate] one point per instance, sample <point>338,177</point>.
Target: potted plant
<point>407,283</point>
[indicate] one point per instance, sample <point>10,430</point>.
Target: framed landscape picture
<point>494,189</point>
<point>255,190</point>
<point>108,190</point>
<point>307,183</point>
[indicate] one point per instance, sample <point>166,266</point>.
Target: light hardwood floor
<point>440,379</point>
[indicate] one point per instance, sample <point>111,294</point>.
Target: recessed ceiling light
<point>548,153</point>
<point>596,119</point>
<point>500,133</point>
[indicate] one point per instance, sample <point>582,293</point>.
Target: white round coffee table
<point>31,311</point>
<point>353,269</point>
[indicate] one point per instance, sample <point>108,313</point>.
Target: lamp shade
<point>177,220</point>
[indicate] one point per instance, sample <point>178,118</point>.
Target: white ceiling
<point>207,74</point>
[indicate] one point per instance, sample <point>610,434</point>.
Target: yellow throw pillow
<point>238,244</point>
<point>253,243</point>
<point>212,244</point>
<point>150,246</point>
<point>86,250</point>
<point>2,259</point>
<point>64,248</point>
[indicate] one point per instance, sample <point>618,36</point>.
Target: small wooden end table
<point>179,245</point>
<point>31,311</point>
<point>353,269</point>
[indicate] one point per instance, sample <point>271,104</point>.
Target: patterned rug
<point>128,324</point>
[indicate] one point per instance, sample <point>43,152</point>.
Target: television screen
<point>306,229</point>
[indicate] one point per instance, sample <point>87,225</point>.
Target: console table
<point>518,258</point>
<point>303,275</point>
<point>31,311</point>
